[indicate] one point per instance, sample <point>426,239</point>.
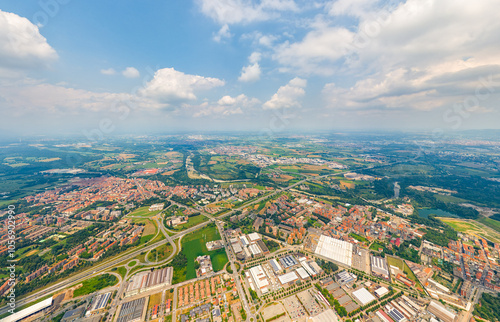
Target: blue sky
<point>71,66</point>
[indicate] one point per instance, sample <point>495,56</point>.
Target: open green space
<point>143,212</point>
<point>160,253</point>
<point>122,271</point>
<point>95,283</point>
<point>396,262</point>
<point>492,223</point>
<point>358,237</point>
<point>192,221</point>
<point>194,245</point>
<point>376,246</point>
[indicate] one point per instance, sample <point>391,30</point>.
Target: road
<point>106,265</point>
<point>236,276</point>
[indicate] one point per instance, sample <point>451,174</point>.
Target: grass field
<point>475,228</point>
<point>359,237</point>
<point>193,221</point>
<point>162,251</point>
<point>154,299</point>
<point>143,212</point>
<point>194,245</point>
<point>95,284</point>
<point>396,262</point>
<point>375,246</point>
<point>494,224</point>
<point>122,271</point>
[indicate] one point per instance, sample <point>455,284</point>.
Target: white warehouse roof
<point>253,237</point>
<point>363,296</point>
<point>287,278</point>
<point>302,273</point>
<point>335,249</point>
<point>28,311</point>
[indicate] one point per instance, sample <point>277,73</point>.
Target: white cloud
<point>244,11</point>
<point>287,96</point>
<point>131,72</point>
<point>32,97</point>
<point>109,71</point>
<point>171,85</point>
<point>225,106</point>
<point>21,44</point>
<point>251,73</point>
<point>355,8</point>
<point>316,52</point>
<point>223,33</point>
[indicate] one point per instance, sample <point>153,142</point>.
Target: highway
<point>107,264</point>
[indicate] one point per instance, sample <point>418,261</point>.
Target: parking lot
<point>309,302</point>
<point>274,310</point>
<point>361,260</point>
<point>294,308</point>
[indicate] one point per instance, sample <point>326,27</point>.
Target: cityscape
<point>241,229</point>
<point>250,161</point>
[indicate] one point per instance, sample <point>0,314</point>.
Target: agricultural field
<point>194,245</point>
<point>494,224</point>
<point>472,227</point>
<point>222,167</point>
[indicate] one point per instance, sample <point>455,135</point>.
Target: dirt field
<point>127,156</point>
<point>283,178</point>
<point>274,310</point>
<point>169,173</point>
<point>149,229</point>
<point>348,185</point>
<point>312,167</point>
<point>50,160</point>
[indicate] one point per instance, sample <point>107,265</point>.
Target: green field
<point>396,262</point>
<point>358,237</point>
<point>161,252</point>
<point>143,212</point>
<point>95,284</point>
<point>193,221</point>
<point>375,246</point>
<point>193,245</point>
<point>492,223</point>
<point>122,271</point>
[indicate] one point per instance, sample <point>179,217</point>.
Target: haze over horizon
<point>269,65</point>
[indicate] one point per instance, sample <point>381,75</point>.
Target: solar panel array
<point>288,261</point>
<point>132,310</point>
<point>396,315</point>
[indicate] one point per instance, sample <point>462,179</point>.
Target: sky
<point>98,68</point>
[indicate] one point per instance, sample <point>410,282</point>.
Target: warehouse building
<point>260,278</point>
<point>275,265</point>
<point>441,312</point>
<point>99,304</point>
<point>288,278</point>
<point>379,267</point>
<point>363,296</point>
<point>335,249</point>
<point>29,311</point>
<point>146,281</point>
<point>288,261</point>
<point>132,311</point>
